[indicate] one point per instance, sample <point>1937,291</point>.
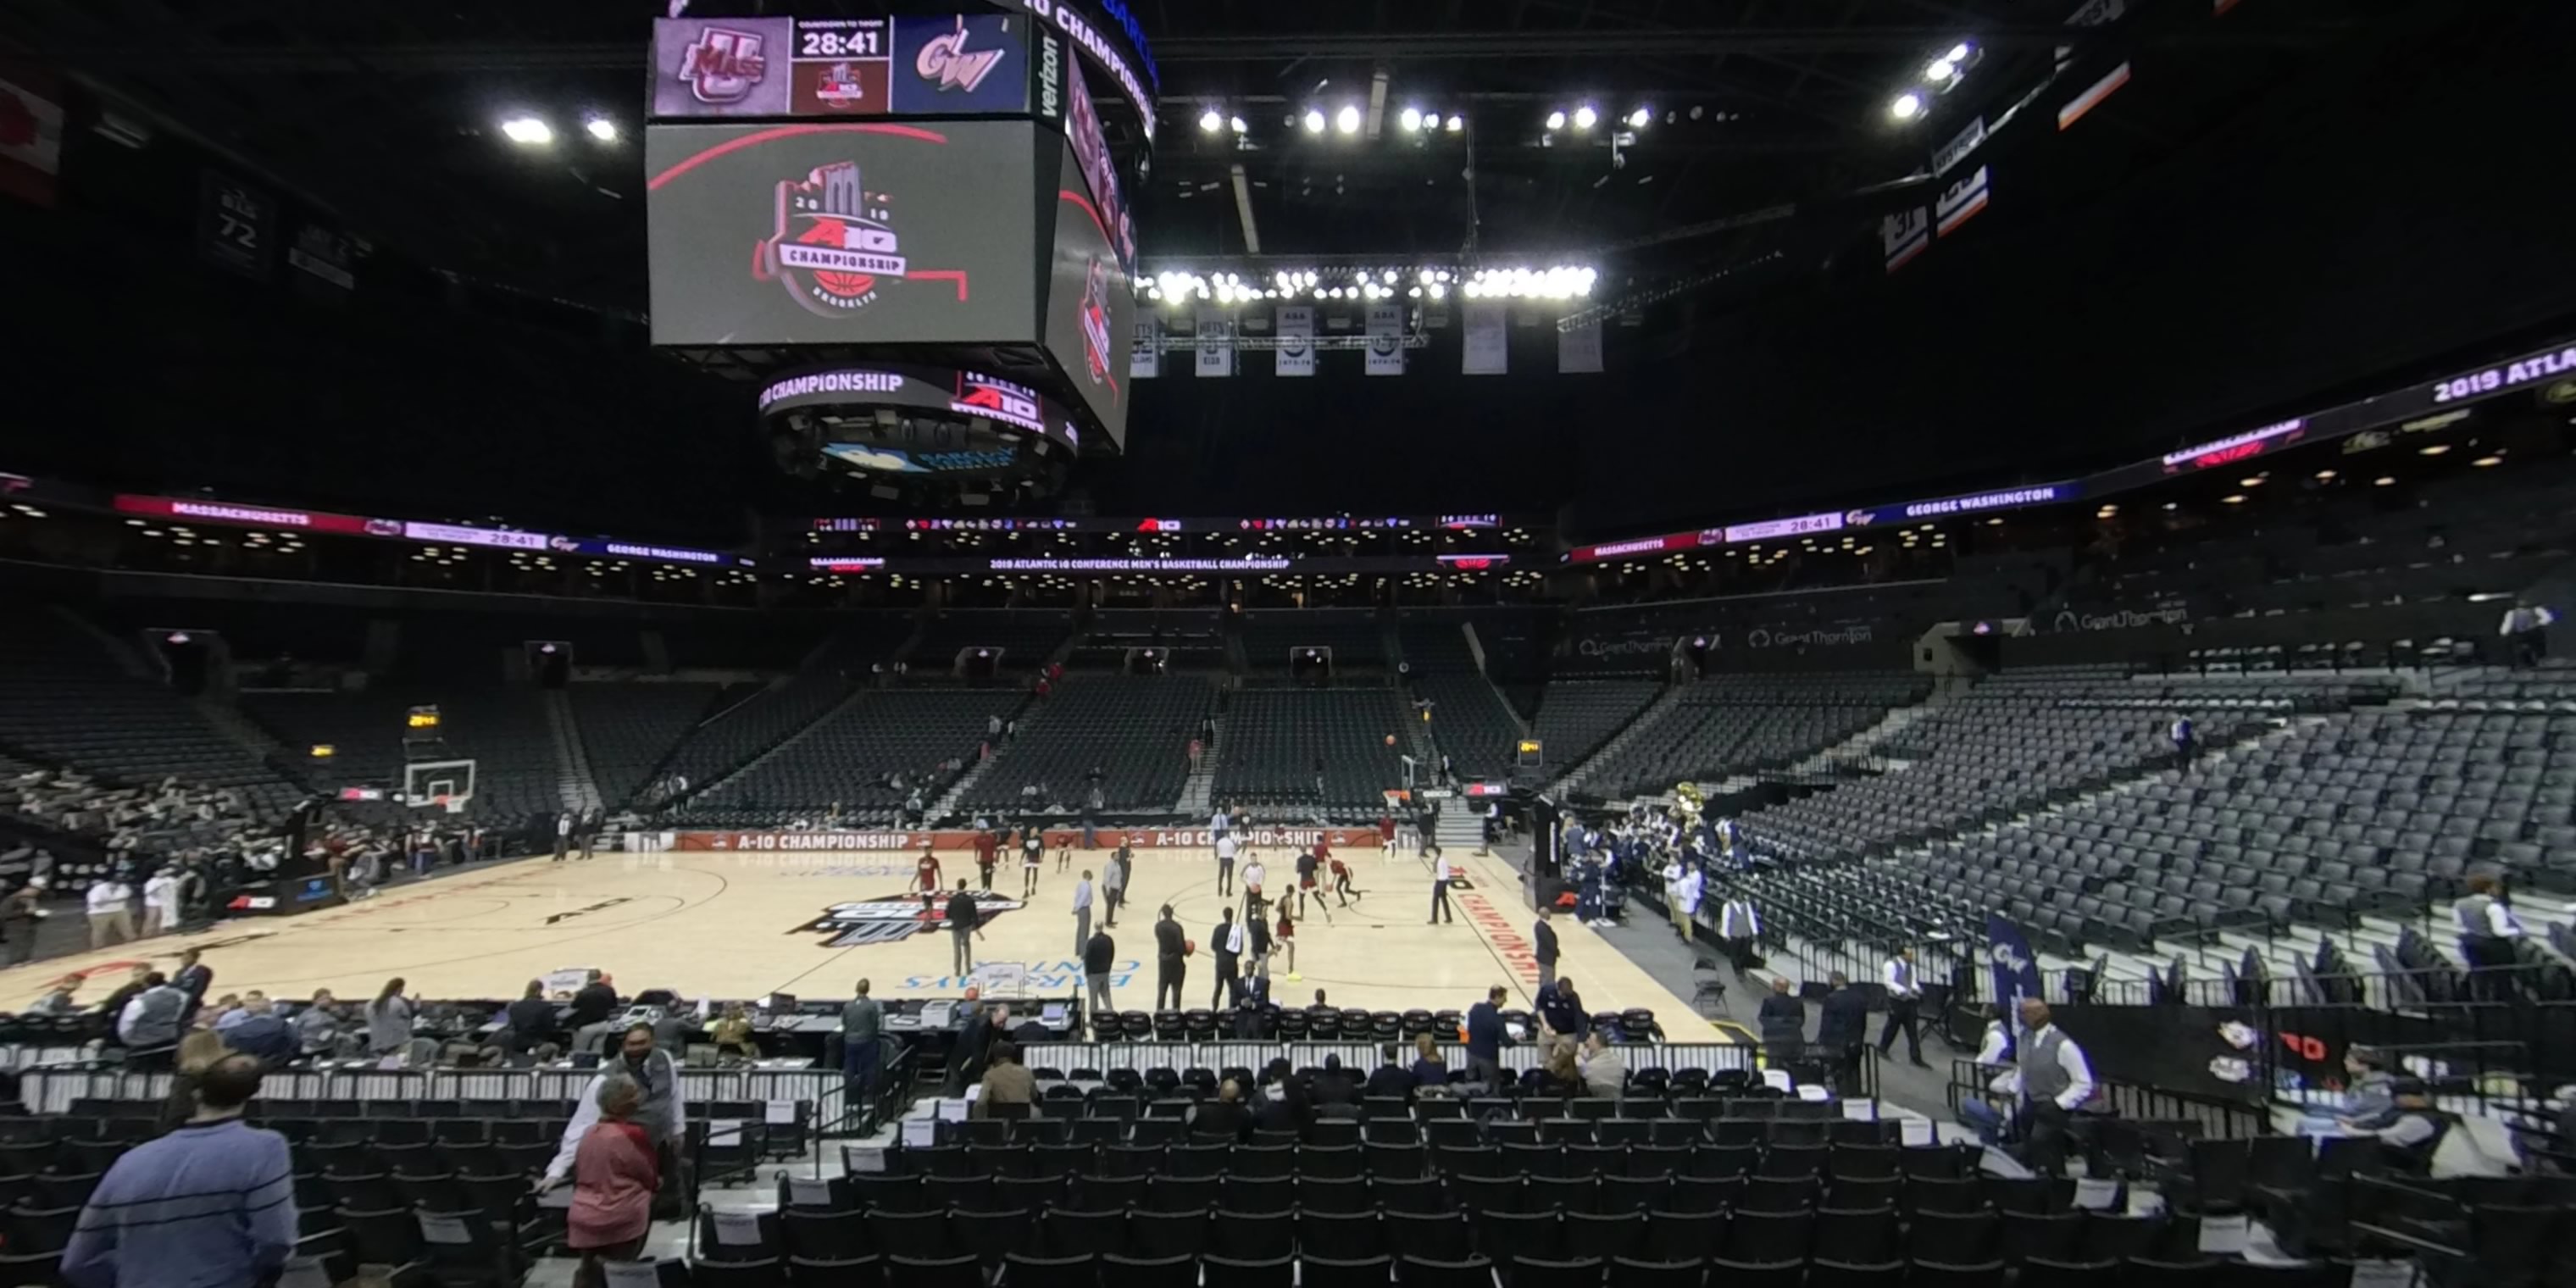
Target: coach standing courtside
<point>965,921</point>
<point>1171,961</point>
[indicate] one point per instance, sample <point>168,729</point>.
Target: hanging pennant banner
<point>1960,145</point>
<point>1386,340</point>
<point>1145,355</point>
<point>1296,340</point>
<point>1579,351</point>
<point>1216,342</point>
<point>1960,201</point>
<point>1487,351</point>
<point>1904,235</point>
<point>2092,97</point>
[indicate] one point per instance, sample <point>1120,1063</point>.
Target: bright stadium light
<point>527,131</point>
<point>1211,121</point>
<point>1584,116</point>
<point>1456,123</point>
<point>1906,107</point>
<point>1235,123</point>
<point>1410,118</point>
<point>1347,120</point>
<point>1942,69</point>
<point>1314,120</point>
<point>1958,53</point>
<point>602,129</point>
<point>1556,120</point>
<point>1642,117</point>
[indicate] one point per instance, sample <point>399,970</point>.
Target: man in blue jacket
<point>1485,1038</point>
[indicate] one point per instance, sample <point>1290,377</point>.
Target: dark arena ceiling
<point>2290,197</point>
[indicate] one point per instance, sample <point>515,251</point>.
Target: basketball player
<point>925,875</point>
<point>1032,853</point>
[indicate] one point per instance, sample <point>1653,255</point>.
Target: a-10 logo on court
<point>884,921</point>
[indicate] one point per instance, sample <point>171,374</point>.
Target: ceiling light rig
<point>1941,74</point>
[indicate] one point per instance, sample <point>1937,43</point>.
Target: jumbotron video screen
<point>860,232</point>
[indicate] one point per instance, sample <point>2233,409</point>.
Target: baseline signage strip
<point>184,510</point>
<point>2529,371</point>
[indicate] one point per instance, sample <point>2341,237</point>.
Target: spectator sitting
<point>1558,1075</point>
<point>1333,1087</point>
<point>262,1034</point>
<point>1006,1081</point>
<point>1429,1070</point>
<point>1390,1078</point>
<point>317,1026</point>
<point>1605,1072</point>
<point>1223,1118</point>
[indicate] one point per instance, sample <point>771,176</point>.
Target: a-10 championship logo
<point>884,921</point>
<point>833,242</point>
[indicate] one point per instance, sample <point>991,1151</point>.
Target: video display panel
<point>859,232</point>
<point>1090,308</point>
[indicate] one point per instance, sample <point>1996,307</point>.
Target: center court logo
<point>948,63</point>
<point>833,241</point>
<point>886,921</point>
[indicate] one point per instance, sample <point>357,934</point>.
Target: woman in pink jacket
<point>614,1176</point>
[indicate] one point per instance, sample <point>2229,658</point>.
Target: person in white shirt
<point>1224,862</point>
<point>2526,632</point>
<point>1994,1056</point>
<point>1682,886</point>
<point>1904,1006</point>
<point>1605,1072</point>
<point>110,921</point>
<point>2055,1081</point>
<point>1253,876</point>
<point>1439,889</point>
<point>161,902</point>
<point>2488,930</point>
<point>1082,912</point>
<point>1739,925</point>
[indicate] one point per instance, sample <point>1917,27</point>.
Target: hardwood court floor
<point>735,925</point>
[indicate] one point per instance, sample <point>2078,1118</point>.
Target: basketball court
<point>738,925</point>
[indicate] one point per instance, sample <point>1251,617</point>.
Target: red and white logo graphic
<point>833,242</point>
<point>724,65</point>
<point>1095,321</point>
<point>946,61</point>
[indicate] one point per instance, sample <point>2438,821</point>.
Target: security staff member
<point>1904,1004</point>
<point>2055,1080</point>
<point>2487,930</point>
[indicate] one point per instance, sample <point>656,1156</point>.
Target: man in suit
<point>1171,961</point>
<point>966,1063</point>
<point>1842,1025</point>
<point>1782,1019</point>
<point>1227,942</point>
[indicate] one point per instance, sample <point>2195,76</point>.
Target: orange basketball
<point>1189,947</point>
